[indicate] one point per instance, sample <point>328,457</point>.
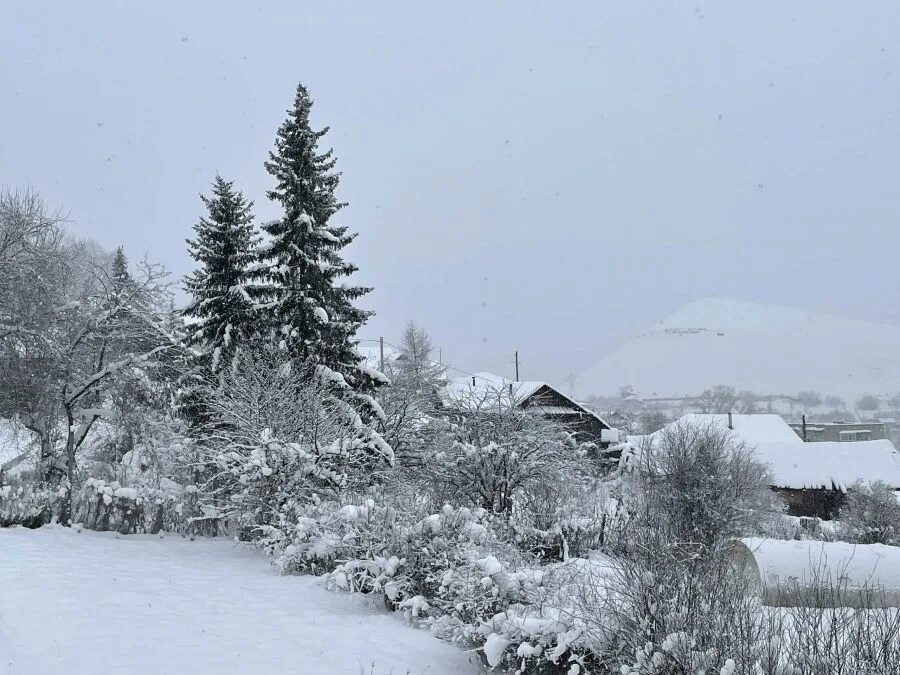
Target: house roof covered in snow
<point>485,389</point>
<point>831,465</point>
<point>486,385</point>
<point>796,464</point>
<point>751,429</point>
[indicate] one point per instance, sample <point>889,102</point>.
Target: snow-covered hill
<point>762,348</point>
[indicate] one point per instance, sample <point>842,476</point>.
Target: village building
<point>839,431</point>
<point>483,390</point>
<point>812,478</point>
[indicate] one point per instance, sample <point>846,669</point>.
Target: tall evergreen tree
<point>124,298</point>
<point>224,248</point>
<point>313,313</point>
<point>121,277</point>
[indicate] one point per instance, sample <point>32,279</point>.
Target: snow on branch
<point>110,369</point>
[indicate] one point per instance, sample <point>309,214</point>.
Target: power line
<point>432,361</point>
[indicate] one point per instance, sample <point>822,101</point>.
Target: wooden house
<point>482,389</point>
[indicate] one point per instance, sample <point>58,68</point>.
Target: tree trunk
<point>65,516</point>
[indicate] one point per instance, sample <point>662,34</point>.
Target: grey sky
<point>522,175</point>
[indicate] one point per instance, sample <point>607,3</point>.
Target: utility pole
<point>517,365</point>
<point>381,353</point>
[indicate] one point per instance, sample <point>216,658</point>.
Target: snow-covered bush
<point>280,443</point>
<point>558,520</point>
<point>102,505</point>
<point>667,607</point>
<point>449,572</point>
<point>490,453</point>
<point>545,631</point>
<point>871,514</point>
<point>22,502</point>
<point>700,484</point>
<point>419,555</point>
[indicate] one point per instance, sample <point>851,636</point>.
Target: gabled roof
<point>796,464</point>
<point>830,465</point>
<point>487,385</point>
<point>484,389</point>
<point>751,429</point>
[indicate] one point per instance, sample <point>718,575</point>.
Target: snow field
<point>89,602</point>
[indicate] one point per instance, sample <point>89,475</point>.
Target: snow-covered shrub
<point>279,443</point>
<point>545,631</point>
<point>400,552</point>
<point>317,535</point>
<point>448,571</point>
<point>25,503</point>
<point>558,520</point>
<point>871,514</point>
<point>102,505</point>
<point>147,488</point>
<point>700,484</point>
<point>674,608</point>
<point>490,453</point>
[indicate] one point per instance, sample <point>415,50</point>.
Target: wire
<point>432,361</point>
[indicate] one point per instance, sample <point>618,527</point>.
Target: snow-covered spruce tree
<point>310,309</point>
<point>121,277</point>
<point>223,248</point>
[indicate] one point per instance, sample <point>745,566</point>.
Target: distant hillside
<point>762,348</point>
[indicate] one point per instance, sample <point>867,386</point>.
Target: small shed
<point>818,573</point>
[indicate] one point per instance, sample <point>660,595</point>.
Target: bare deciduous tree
<point>412,397</point>
<point>809,399</point>
<point>278,439</point>
<point>701,485</point>
<point>747,403</point>
<point>490,450</point>
<point>871,514</point>
<point>70,329</point>
<point>868,403</point>
<point>719,399</point>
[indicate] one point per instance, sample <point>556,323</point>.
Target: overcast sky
<point>551,179</point>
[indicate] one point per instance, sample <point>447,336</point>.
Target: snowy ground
<point>94,603</point>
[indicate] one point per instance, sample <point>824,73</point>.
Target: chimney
<point>803,418</point>
<point>473,380</point>
<point>730,422</point>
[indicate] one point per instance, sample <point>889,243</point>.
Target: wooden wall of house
<point>812,503</point>
<point>585,425</point>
